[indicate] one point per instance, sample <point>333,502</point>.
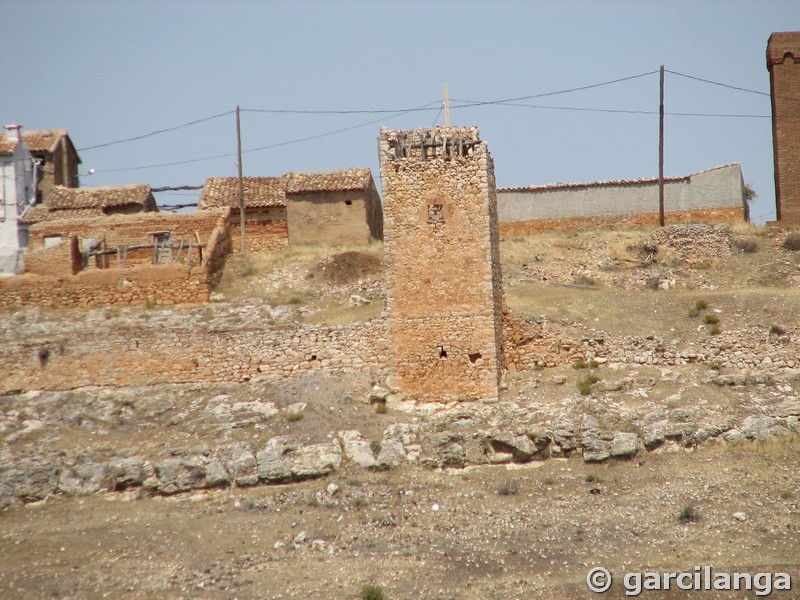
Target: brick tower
<point>783,62</point>
<point>445,294</point>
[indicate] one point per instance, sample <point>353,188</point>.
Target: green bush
<point>711,319</point>
<point>701,305</point>
<point>585,384</point>
<point>372,592</point>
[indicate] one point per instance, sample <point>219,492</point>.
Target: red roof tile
<point>331,181</point>
<point>258,192</point>
<point>61,198</point>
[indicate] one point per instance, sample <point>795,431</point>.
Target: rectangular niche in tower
<point>444,296</point>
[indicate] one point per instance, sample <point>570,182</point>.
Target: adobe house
<point>300,208</point>
<point>265,209</point>
<point>56,160</point>
<point>337,206</point>
<point>123,259</point>
<point>122,240</point>
<point>442,257</point>
<point>67,203</point>
<point>783,63</point>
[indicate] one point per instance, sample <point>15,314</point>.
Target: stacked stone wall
<point>56,277</point>
<point>711,215</point>
<point>266,228</point>
<point>695,240</point>
<point>444,289</point>
<point>119,230</point>
<point>183,349</point>
<point>136,286</point>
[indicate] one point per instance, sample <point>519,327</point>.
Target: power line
<point>556,93</point>
<point>424,108</point>
<point>733,87</point>
<point>152,133</point>
<point>615,110</point>
<point>329,133</point>
<point>339,112</point>
<point>725,85</point>
<point>277,145</point>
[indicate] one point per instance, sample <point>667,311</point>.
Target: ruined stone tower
<point>445,295</point>
<point>783,62</point>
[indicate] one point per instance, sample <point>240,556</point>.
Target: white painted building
<point>17,192</point>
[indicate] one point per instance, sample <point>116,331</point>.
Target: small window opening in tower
<point>435,213</point>
<point>442,352</point>
<point>474,356</point>
<point>348,202</point>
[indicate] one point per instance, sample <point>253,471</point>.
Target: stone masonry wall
<point>695,240</point>
<point>65,350</point>
<point>137,286</point>
<point>711,215</point>
<point>181,346</point>
<point>56,277</point>
<point>444,290</point>
<point>266,228</point>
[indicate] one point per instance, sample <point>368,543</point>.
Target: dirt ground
<point>490,532</point>
<point>482,533</point>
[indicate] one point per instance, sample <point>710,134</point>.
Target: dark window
<point>435,213</point>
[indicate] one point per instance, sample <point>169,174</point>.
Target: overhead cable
<point>152,133</point>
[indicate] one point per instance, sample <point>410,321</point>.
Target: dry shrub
<point>792,242</point>
<point>345,267</point>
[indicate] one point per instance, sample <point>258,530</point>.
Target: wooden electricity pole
<point>241,183</point>
<point>661,152</point>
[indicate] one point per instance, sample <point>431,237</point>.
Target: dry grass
<point>302,276</point>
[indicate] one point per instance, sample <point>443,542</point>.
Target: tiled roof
<point>61,198</point>
<point>620,182</point>
<point>7,146</point>
<point>272,191</point>
<point>41,212</point>
<point>44,140</point>
<point>331,181</point>
<point>37,141</point>
<point>258,192</point>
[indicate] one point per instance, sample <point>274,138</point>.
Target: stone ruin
<point>441,244</point>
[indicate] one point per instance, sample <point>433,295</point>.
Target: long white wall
<point>721,187</point>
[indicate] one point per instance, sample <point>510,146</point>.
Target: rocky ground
<point>321,486</point>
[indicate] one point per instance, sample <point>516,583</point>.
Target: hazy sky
<point>113,70</point>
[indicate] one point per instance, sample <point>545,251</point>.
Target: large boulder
<point>317,460</point>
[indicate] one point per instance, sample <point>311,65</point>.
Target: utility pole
<point>446,106</point>
<point>241,183</point>
<point>661,152</point>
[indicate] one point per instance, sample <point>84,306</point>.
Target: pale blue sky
<point>108,71</point>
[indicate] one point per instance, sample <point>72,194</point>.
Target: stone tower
<point>444,287</point>
<point>783,62</point>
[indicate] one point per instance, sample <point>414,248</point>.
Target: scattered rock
<point>357,449</point>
